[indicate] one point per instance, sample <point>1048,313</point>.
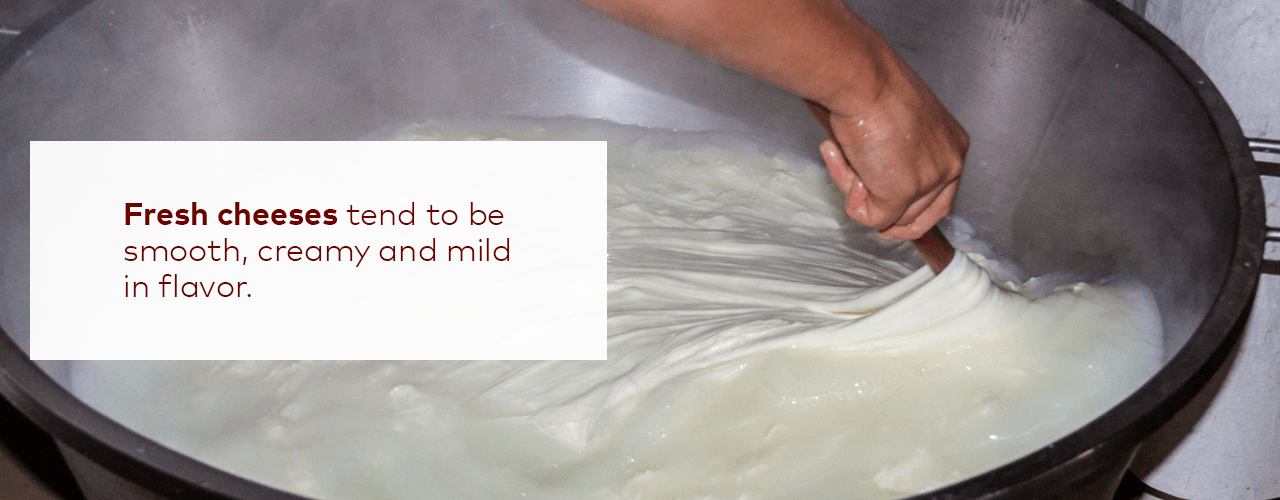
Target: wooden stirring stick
<point>933,246</point>
<point>935,249</point>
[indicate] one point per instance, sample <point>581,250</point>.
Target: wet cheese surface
<point>760,346</point>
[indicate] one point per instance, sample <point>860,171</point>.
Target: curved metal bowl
<point>1098,148</point>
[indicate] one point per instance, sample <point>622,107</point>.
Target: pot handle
<point>1268,169</point>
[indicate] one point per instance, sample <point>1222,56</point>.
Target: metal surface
<point>1265,146</point>
<point>1223,443</point>
<point>1098,148</point>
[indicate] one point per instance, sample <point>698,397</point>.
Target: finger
<point>920,226</point>
<point>940,207</point>
<point>880,213</point>
<point>885,211</point>
<point>856,203</point>
<point>839,168</point>
<point>918,207</point>
<point>847,180</point>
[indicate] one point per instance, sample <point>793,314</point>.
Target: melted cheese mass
<point>760,346</point>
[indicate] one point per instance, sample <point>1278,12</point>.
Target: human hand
<point>895,151</point>
<point>897,158</point>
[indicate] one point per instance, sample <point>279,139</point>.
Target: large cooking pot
<point>1098,148</point>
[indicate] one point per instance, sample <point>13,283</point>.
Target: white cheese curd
<point>760,346</point>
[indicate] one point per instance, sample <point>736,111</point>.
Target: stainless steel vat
<point>1098,148</point>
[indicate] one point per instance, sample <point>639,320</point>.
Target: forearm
<point>817,49</point>
<point>894,151</point>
